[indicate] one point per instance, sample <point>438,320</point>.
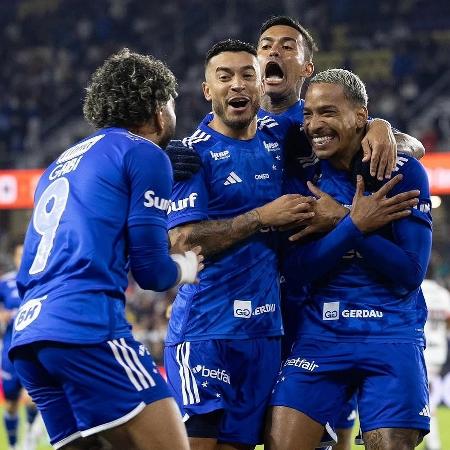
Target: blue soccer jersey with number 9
<point>75,262</point>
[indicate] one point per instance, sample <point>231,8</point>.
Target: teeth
<point>322,140</point>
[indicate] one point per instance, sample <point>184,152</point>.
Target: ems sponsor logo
<point>151,200</point>
<point>183,203</point>
<point>217,374</point>
<point>330,311</point>
<point>271,146</point>
<point>219,155</point>
<point>302,364</point>
<point>28,313</point>
<point>362,313</point>
<point>262,176</point>
<point>243,309</point>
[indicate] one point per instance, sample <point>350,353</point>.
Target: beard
<point>235,123</point>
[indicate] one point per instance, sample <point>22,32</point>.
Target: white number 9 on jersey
<point>46,221</point>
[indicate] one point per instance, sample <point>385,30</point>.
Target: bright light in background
<point>435,201</point>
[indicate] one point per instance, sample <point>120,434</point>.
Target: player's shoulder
<point>408,165</point>
<point>200,140</point>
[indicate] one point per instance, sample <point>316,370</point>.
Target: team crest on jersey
<point>28,313</point>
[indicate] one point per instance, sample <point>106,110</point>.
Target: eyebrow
<point>228,69</point>
<point>284,38</point>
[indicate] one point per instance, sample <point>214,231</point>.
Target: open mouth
<point>273,73</point>
<point>238,103</point>
<point>321,141</point>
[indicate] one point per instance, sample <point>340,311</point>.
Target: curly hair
<point>127,90</point>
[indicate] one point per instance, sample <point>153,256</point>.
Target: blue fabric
<point>357,292</point>
<point>75,262</point>
<point>236,176</point>
<point>77,388</point>
<point>390,382</point>
<point>232,375</point>
<point>11,426</point>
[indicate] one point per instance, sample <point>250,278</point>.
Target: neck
<point>242,134</point>
<point>145,131</point>
<point>278,105</point>
<point>342,160</point>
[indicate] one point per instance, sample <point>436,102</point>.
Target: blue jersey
<point>294,113</point>
<point>10,300</point>
<point>354,300</point>
<point>238,293</point>
<point>75,263</point>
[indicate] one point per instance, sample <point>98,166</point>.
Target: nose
<point>274,51</point>
<point>313,124</point>
<point>238,84</point>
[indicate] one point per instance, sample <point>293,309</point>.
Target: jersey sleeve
<point>189,201</point>
<point>149,177</point>
<point>414,177</point>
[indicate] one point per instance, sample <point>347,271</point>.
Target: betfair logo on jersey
<point>302,364</point>
<point>362,313</point>
<point>183,203</point>
<point>216,374</point>
<point>152,201</point>
<point>220,155</point>
<point>330,311</point>
<point>271,146</point>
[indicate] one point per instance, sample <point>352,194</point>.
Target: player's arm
<point>380,146</point>
<point>368,213</point>
<point>148,173</point>
<point>404,260</point>
<point>215,236</point>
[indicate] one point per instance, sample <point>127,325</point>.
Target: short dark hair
<point>310,45</point>
<point>127,90</point>
<point>229,45</point>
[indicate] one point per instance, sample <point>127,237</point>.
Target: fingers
<point>403,196</point>
<point>315,190</point>
<point>407,204</point>
<point>383,191</point>
<point>385,152</point>
<point>392,159</point>
<point>359,186</point>
<point>301,234</point>
<point>399,215</point>
<point>367,151</point>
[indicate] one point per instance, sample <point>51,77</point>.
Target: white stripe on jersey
<point>122,363</point>
<point>198,136</point>
<point>267,122</point>
<point>189,387</point>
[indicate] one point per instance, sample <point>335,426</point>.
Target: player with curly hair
<point>101,207</point>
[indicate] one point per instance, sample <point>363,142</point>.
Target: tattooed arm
<point>215,236</point>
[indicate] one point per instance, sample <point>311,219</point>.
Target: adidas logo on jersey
<point>233,178</point>
<point>425,411</point>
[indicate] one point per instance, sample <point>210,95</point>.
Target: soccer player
<point>12,388</point>
<point>361,330</point>
<point>100,208</point>
<point>223,344</point>
<point>438,321</point>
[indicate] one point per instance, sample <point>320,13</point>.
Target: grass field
<point>443,414</point>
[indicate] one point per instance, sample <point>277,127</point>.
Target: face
<point>233,86</point>
<point>332,122</point>
<point>281,56</point>
<point>168,121</point>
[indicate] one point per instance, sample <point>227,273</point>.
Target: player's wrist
<point>187,264</point>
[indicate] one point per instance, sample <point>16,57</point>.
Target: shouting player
<point>101,207</point>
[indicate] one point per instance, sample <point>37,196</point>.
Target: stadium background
<point>49,48</point>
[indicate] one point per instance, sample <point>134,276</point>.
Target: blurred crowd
<point>51,46</point>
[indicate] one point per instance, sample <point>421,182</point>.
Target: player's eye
<point>224,77</point>
<point>265,47</point>
<point>288,47</point>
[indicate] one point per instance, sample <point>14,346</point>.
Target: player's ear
<point>361,117</point>
<point>309,69</point>
<point>159,121</point>
<point>206,92</point>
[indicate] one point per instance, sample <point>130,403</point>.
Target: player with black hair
<point>101,208</point>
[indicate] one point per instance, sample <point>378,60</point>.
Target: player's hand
<point>380,148</point>
<point>327,213</point>
<point>370,212</point>
<point>289,209</point>
<point>186,162</point>
<point>189,264</point>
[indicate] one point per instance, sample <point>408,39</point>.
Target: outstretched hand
<point>370,212</point>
